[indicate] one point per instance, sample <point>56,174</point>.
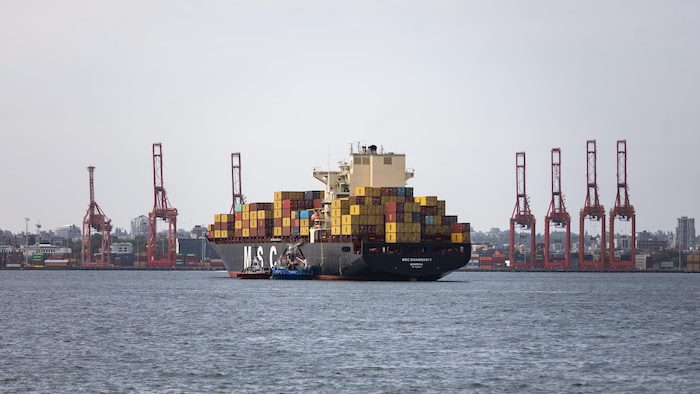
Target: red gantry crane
<point>522,217</point>
<point>161,210</point>
<point>557,215</point>
<point>95,218</point>
<point>623,211</point>
<point>592,210</point>
<point>236,181</point>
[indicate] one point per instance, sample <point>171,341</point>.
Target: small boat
<point>255,271</point>
<point>292,265</point>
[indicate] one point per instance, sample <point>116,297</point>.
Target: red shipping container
<point>238,233</point>
<point>277,222</point>
<point>318,203</point>
<point>253,206</point>
<point>287,204</point>
<point>286,231</point>
<point>238,216</point>
<point>286,213</point>
<point>460,227</point>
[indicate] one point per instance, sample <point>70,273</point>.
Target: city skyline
<point>458,88</point>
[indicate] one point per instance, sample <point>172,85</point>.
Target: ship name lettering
<point>259,255</point>
<point>418,259</point>
<point>273,252</point>
<point>247,256</point>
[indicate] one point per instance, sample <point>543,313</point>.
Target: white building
<point>685,233</point>
<point>122,248</point>
<point>139,226</point>
<point>69,231</point>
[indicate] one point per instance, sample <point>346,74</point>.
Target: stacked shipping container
<point>386,214</point>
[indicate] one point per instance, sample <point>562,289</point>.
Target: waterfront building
<point>139,226</point>
<point>122,248</point>
<point>69,231</point>
<point>685,233</point>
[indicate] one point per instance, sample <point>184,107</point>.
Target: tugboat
<point>292,265</point>
<point>255,271</point>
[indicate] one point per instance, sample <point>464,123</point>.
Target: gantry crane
<point>161,210</point>
<point>623,211</point>
<point>95,219</point>
<point>557,215</point>
<point>522,216</point>
<point>592,210</point>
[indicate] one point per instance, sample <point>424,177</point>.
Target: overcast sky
<point>458,86</point>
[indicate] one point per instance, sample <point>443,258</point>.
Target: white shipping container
<point>666,264</point>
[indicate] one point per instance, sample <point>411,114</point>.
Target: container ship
<point>366,225</point>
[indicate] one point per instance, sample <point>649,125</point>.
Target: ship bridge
<point>367,166</point>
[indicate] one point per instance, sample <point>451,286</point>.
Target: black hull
<point>370,261</point>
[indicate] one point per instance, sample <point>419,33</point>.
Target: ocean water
<point>117,331</point>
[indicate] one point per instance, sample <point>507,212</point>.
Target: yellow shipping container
<point>286,222</point>
<point>426,201</point>
<point>277,204</point>
<point>363,191</point>
<point>341,203</point>
<point>350,229</point>
<point>304,231</point>
<point>238,225</point>
<point>217,233</point>
<point>277,231</point>
<point>245,215</point>
<point>246,232</point>
<point>391,237</point>
<point>217,218</point>
<point>304,223</point>
<point>261,215</point>
<point>253,224</point>
<point>457,238</point>
<point>361,209</point>
<point>210,227</point>
<point>277,214</point>
<point>246,207</point>
<point>346,219</point>
<point>253,215</point>
<point>390,227</point>
<point>336,230</point>
<point>338,221</point>
<point>336,212</point>
<point>294,214</point>
<point>224,233</point>
<point>278,197</point>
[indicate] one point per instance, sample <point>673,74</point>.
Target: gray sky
<point>457,86</point>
